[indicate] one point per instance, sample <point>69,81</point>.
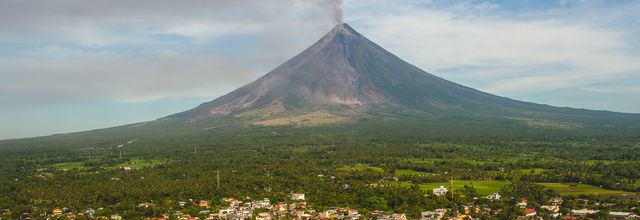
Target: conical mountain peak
<point>344,29</point>
<point>345,76</point>
<point>320,77</point>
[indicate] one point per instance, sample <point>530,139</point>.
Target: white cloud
<point>508,56</point>
<point>614,89</point>
<point>114,43</point>
<point>72,51</point>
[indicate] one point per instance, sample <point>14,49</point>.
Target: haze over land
<point>71,66</point>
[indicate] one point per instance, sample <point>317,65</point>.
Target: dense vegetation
<point>363,166</point>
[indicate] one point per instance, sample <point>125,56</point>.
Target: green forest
<point>364,169</point>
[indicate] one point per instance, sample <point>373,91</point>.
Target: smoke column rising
<point>333,7</point>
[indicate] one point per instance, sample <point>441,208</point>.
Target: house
<point>551,208</point>
<point>231,201</point>
<point>620,214</point>
<point>263,216</point>
<point>116,217</point>
<point>429,215</point>
<point>353,214</point>
<point>583,212</point>
<point>305,216</point>
<point>556,202</point>
<point>441,212</point>
<point>89,212</point>
<point>467,210</point>
<point>530,212</point>
<point>127,168</point>
<point>57,212</point>
<point>440,191</point>
<point>182,204</point>
<point>264,203</point>
<point>281,207</point>
<point>329,214</point>
<point>203,204</point>
<point>399,216</point>
<point>145,205</point>
<point>296,196</point>
<point>494,197</point>
<point>6,212</point>
<point>224,212</point>
<point>522,202</point>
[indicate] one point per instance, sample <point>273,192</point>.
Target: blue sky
<point>73,65</point>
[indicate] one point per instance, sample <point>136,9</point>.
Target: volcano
<point>344,87</point>
<point>345,76</point>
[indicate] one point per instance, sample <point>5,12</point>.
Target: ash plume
<point>333,7</point>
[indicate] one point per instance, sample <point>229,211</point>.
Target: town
<point>296,207</point>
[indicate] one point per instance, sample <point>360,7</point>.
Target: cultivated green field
<point>529,171</point>
<point>70,166</point>
<point>403,172</point>
<point>483,187</point>
<point>133,163</point>
<point>138,164</point>
<point>580,189</point>
<point>435,160</point>
<point>361,168</point>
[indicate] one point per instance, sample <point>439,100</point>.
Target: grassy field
<point>594,162</point>
<point>133,163</point>
<point>401,172</point>
<point>70,166</point>
<point>421,160</point>
<point>483,187</point>
<point>137,164</point>
<point>361,168</point>
<point>529,171</point>
<point>434,160</point>
<point>579,189</point>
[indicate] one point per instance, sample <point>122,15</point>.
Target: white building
<point>263,216</point>
<point>441,191</point>
<point>429,215</point>
<point>265,203</point>
<point>620,214</point>
<point>583,212</point>
<point>296,196</point>
<point>494,196</point>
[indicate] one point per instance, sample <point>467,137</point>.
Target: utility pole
<point>451,185</point>
<point>195,150</point>
<point>120,154</point>
<point>218,178</point>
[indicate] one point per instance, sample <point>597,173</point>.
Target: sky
<point>74,65</point>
